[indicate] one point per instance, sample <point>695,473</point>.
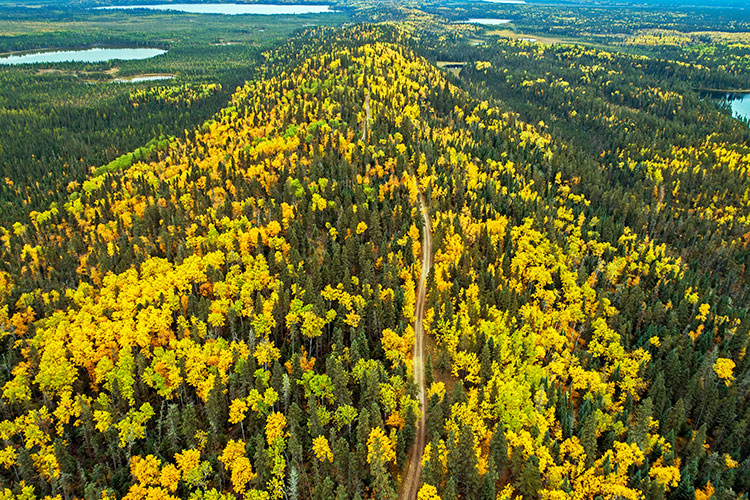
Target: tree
<point>410,426</point>
<point>189,425</point>
<point>588,438</point>
<point>530,482</point>
<point>639,429</point>
<point>724,369</point>
<point>171,442</point>
<point>485,361</point>
<point>499,447</point>
<point>489,481</point>
<point>463,463</point>
<point>658,394</point>
<point>428,492</point>
<point>322,449</point>
<point>380,452</point>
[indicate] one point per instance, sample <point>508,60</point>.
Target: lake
<point>231,9</point>
<point>83,55</point>
<point>486,21</point>
<point>741,106</point>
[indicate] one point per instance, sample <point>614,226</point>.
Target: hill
<point>233,312</point>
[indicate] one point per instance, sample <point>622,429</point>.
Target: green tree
<point>530,481</point>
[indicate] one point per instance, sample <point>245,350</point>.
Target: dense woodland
<point>60,120</point>
<point>228,311</point>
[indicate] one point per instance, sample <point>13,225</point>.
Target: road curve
<point>414,474</point>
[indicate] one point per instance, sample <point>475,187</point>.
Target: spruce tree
<point>463,464</point>
<point>189,425</point>
<point>499,447</point>
<point>588,438</point>
<point>530,481</point>
<point>216,409</point>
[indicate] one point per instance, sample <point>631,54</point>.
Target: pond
<point>232,9</point>
<point>82,55</point>
<point>486,21</point>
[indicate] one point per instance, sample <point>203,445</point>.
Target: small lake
<point>741,106</point>
<point>486,21</point>
<point>83,55</point>
<point>231,9</point>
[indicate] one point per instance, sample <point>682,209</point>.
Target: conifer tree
<point>530,481</point>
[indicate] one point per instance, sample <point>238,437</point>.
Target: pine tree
<point>499,447</point>
<point>588,438</point>
<point>432,472</point>
<point>450,490</point>
<point>695,450</point>
<point>434,421</point>
<point>463,463</point>
<point>324,489</point>
<point>171,441</point>
<point>676,418</point>
<point>26,467</point>
<point>429,377</point>
<point>685,490</point>
<point>292,482</point>
<point>638,433</point>
<point>262,467</point>
<point>410,427</point>
<point>530,481</point>
<point>382,484</point>
<point>489,481</point>
<point>189,425</point>
<point>485,364</point>
<point>658,394</point>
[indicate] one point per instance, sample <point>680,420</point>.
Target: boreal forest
<point>449,250</point>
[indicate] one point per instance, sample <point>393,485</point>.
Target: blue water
<point>84,55</point>
<point>231,8</point>
<point>741,106</point>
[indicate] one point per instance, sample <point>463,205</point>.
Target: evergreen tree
<point>638,433</point>
<point>171,440</point>
<point>463,463</point>
<point>489,481</point>
<point>658,394</point>
<point>429,376</point>
<point>450,490</point>
<point>588,439</point>
<point>499,447</point>
<point>530,481</point>
<point>485,360</point>
<point>382,486</point>
<point>189,425</point>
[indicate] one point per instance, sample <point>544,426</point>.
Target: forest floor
<point>413,476</point>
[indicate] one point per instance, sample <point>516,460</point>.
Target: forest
<point>61,119</point>
<point>390,256</point>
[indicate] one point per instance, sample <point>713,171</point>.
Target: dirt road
<point>414,474</point>
<point>367,117</point>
